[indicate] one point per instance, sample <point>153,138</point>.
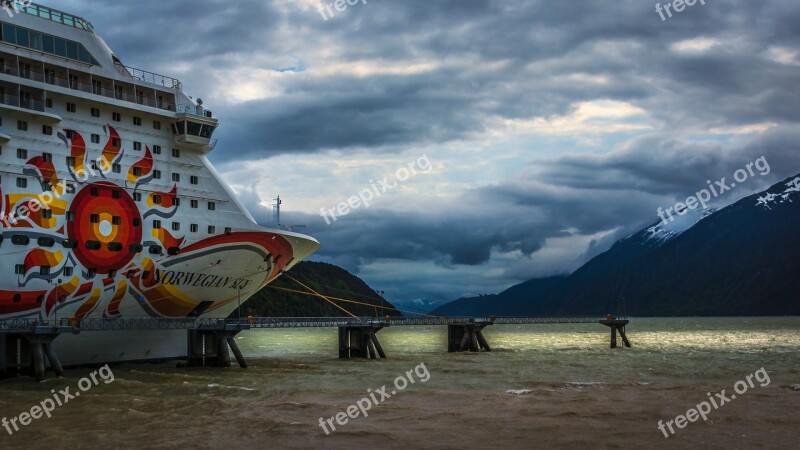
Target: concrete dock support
<point>467,336</point>
<point>360,341</point>
<point>617,325</point>
<point>209,348</point>
<point>28,354</point>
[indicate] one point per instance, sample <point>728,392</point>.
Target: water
<point>542,385</point>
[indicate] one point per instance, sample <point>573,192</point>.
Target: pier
<point>27,345</point>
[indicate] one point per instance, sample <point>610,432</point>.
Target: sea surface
<point>542,386</point>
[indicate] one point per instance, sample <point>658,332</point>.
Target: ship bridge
<point>194,126</point>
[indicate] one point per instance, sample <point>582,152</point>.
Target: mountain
<point>326,279</point>
<point>740,260</point>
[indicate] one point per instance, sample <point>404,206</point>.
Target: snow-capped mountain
<point>742,259</point>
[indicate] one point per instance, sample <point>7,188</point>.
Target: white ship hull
<point>108,205</point>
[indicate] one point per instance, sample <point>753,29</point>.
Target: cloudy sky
<point>552,128</point>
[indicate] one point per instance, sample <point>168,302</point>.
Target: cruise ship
<point>109,207</point>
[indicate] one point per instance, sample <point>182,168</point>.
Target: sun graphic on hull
<point>106,256</point>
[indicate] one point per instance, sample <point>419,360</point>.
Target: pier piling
<point>360,341</point>
<point>617,325</point>
<point>467,336</point>
<point>209,348</point>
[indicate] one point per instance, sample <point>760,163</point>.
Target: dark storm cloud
<point>538,43</point>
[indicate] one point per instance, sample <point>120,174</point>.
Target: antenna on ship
<point>276,212</point>
<point>276,217</point>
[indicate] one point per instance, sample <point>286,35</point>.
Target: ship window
<point>116,142</point>
<point>93,245</point>
<point>22,183</point>
<point>157,174</point>
<point>137,222</point>
<point>94,192</point>
<point>47,157</point>
<point>95,112</point>
<point>61,47</point>
<point>176,177</point>
<point>180,127</point>
<point>193,179</point>
<point>48,103</point>
<point>193,128</point>
<point>71,161</point>
<point>113,272</point>
<point>212,229</point>
<point>17,298</point>
<point>69,244</point>
<point>90,273</point>
<point>71,107</point>
<point>116,117</point>
<point>47,130</point>
<point>84,55</point>
<point>176,226</point>
<point>70,214</point>
<point>176,201</point>
<point>137,171</point>
<point>115,193</point>
<point>193,228</point>
<point>94,218</point>
<point>207,131</point>
<point>176,153</point>
<point>47,214</point>
<point>44,270</point>
<point>36,40</point>
<point>45,242</point>
<point>157,149</point>
<point>47,44</point>
<point>70,134</point>
<point>114,246</point>
<point>116,220</point>
<point>9,33</point>
<point>156,125</point>
<point>22,125</point>
<point>20,240</point>
<point>155,250</point>
<point>19,269</point>
<point>156,224</point>
<point>136,248</point>
<point>116,168</point>
<point>68,271</point>
<point>72,50</point>
<point>157,199</point>
<point>194,203</point>
<point>95,138</point>
<point>137,121</point>
<point>137,146</point>
<point>172,251</point>
<point>22,37</point>
<point>137,196</point>
<point>212,206</point>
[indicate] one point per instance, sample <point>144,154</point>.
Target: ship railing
<point>97,89</point>
<point>148,77</point>
<point>22,102</point>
